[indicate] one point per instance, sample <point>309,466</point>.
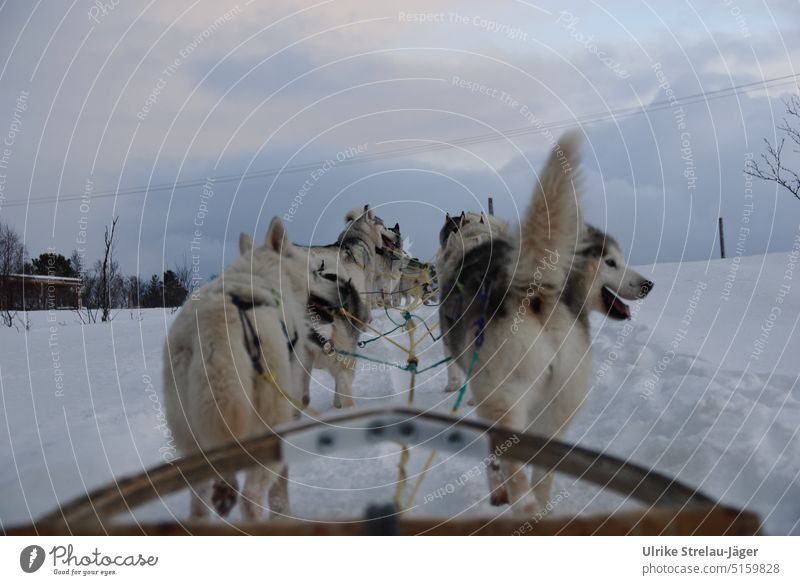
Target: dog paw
<point>499,497</point>
<point>343,402</point>
<point>224,495</point>
<point>453,386</point>
<point>525,507</point>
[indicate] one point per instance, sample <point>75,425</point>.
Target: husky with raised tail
<point>515,314</point>
<point>504,324</point>
<point>234,361</point>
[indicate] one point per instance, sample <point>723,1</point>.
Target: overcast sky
<point>97,99</point>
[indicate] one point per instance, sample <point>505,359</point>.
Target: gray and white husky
<point>514,313</point>
<point>234,363</point>
<point>391,261</point>
<point>416,281</point>
<point>359,261</point>
<point>599,279</point>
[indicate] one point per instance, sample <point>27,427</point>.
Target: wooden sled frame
<point>672,508</point>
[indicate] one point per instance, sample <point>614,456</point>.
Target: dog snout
<point>645,288</point>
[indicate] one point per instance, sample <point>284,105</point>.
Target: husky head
<point>276,242</point>
<point>278,249</point>
<point>395,240</point>
<point>451,225</point>
<point>471,225</point>
<point>416,273</point>
<point>611,279</point>
<point>365,225</point>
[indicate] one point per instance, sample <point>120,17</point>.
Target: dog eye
<point>611,263</point>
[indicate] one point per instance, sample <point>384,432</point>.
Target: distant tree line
<point>103,287</point>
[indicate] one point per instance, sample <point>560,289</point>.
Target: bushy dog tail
<point>552,224</point>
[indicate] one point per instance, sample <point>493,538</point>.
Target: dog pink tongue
<point>621,308</point>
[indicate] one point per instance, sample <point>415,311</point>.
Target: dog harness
<point>252,342</point>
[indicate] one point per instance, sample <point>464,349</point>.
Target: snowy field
<point>701,385</point>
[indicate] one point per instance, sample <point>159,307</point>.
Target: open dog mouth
<point>615,308</point>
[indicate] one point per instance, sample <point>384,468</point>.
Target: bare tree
<point>107,275</point>
<point>773,162</point>
<point>76,259</point>
<point>12,259</point>
<point>183,274</point>
<point>88,302</point>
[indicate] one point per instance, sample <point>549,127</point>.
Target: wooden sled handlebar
<point>671,505</point>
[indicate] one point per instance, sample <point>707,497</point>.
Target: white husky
<point>233,364</point>
<point>514,313</point>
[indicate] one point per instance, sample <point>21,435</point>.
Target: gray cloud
<point>385,83</point>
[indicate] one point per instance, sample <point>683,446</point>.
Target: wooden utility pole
<point>721,239</point>
<point>491,206</point>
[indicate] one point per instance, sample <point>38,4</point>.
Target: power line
<point>592,118</point>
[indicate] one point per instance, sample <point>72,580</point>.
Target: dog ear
<point>277,237</point>
<point>368,212</point>
<point>481,218</point>
<point>396,228</point>
<point>462,219</point>
<point>245,243</point>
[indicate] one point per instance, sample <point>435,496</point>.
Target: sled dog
<point>358,261</point>
<point>391,261</point>
<point>233,364</point>
<point>416,281</point>
<point>514,313</point>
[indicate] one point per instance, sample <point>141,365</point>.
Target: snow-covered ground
<point>701,385</point>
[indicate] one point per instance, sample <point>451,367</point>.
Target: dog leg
<point>224,493</point>
<point>455,377</point>
<point>344,388</point>
<point>555,420</point>
<point>279,494</point>
<point>522,500</point>
<point>499,494</point>
<point>305,384</point>
<point>509,483</point>
<point>253,495</point>
<point>542,486</point>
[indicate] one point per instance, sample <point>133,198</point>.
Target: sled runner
<point>670,507</point>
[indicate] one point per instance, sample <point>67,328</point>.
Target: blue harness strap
<point>480,330</point>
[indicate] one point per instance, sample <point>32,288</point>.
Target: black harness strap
<point>252,342</point>
<point>289,341</point>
